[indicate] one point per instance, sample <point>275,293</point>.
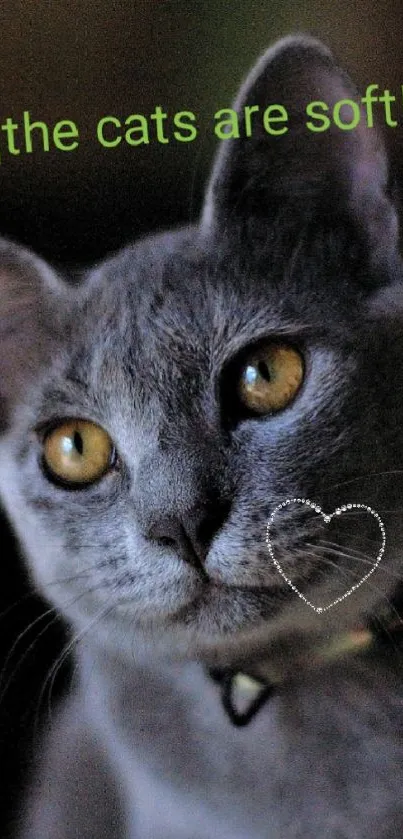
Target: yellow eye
<point>270,378</point>
<point>78,452</point>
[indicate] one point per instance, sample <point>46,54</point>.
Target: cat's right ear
<point>291,161</point>
<point>34,304</point>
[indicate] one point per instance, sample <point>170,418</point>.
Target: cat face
<point>154,418</point>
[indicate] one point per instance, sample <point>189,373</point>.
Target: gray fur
<point>298,239</point>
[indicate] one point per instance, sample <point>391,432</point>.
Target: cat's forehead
<point>174,278</point>
<point>176,291</point>
<point>160,321</point>
<point>170,296</point>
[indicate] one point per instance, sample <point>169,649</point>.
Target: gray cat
<point>163,428</point>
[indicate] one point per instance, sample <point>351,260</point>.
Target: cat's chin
<point>215,609</point>
<point>227,617</point>
<point>223,617</point>
<point>198,614</point>
<point>222,625</point>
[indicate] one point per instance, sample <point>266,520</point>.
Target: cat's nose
<point>191,534</point>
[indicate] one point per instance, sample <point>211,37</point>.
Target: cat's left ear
<point>298,163</point>
<point>34,305</point>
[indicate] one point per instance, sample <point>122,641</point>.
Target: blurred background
<point>84,59</point>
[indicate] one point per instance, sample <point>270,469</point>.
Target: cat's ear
<point>291,165</point>
<point>33,308</point>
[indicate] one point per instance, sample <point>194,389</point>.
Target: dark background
<point>81,61</point>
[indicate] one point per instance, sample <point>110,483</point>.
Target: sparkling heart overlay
<point>327,519</point>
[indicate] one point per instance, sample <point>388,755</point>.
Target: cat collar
<point>244,692</point>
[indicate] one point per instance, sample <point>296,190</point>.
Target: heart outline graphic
<point>327,519</point>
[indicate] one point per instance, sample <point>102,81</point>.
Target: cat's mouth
<point>305,572</point>
<point>312,585</point>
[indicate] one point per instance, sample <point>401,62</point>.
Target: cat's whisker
<point>364,559</point>
<point>346,572</point>
<point>363,538</point>
<point>356,559</point>
<point>368,476</point>
<point>32,594</point>
<point>349,574</point>
<point>84,572</point>
<point>21,600</point>
<point>353,552</point>
<point>392,608</point>
<point>52,673</point>
<point>369,583</point>
<point>357,551</point>
<point>17,641</point>
<point>29,649</point>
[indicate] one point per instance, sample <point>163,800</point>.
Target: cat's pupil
<point>78,442</point>
<point>264,370</point>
